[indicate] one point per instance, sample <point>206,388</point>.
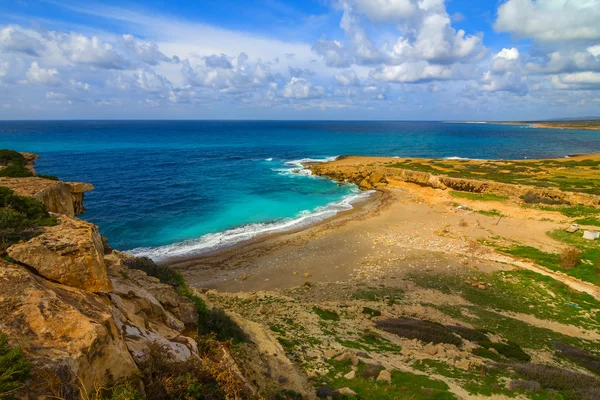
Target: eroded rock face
<point>62,329</point>
<point>59,197</point>
<point>70,253</point>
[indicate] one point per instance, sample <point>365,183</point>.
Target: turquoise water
<point>173,188</point>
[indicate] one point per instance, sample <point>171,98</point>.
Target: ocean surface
<point>176,188</point>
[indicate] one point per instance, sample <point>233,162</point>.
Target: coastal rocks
<point>68,333</point>
<point>70,253</point>
<point>59,197</point>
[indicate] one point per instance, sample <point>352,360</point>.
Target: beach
<point>406,227</point>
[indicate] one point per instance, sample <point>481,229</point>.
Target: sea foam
<point>221,240</point>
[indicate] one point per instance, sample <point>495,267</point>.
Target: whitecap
<point>221,240</point>
<point>269,159</point>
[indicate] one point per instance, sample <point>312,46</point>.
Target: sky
<point>311,59</point>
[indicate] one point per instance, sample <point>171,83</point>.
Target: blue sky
<point>315,59</point>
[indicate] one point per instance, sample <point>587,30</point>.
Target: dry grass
<point>570,257</point>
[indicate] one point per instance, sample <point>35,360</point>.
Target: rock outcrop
<point>375,177</point>
<point>70,253</point>
<point>59,197</point>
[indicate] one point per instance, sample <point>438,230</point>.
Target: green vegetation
<point>573,211</point>
<point>588,221</point>
<point>20,218</point>
<point>14,368</point>
<point>326,314</point>
<point>372,312</point>
<point>566,175</point>
<point>490,213</point>
<point>478,196</point>
<point>390,295</point>
<point>424,331</point>
<point>49,177</point>
<point>589,253</point>
<point>14,164</point>
<point>404,385</point>
<point>214,321</point>
<point>519,291</point>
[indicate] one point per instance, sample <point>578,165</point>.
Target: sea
<point>167,189</point>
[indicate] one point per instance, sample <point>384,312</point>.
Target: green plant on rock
<point>14,368</point>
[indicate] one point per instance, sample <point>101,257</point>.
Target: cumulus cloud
<point>15,39</point>
<point>550,20</point>
<point>300,88</point>
<point>347,78</point>
<point>426,48</point>
<point>43,76</point>
<point>147,52</point>
<point>218,61</point>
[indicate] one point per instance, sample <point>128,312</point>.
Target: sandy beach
<point>405,227</point>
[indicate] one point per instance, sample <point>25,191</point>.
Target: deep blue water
<point>174,187</point>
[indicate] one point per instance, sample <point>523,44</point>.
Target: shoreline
<point>266,242</point>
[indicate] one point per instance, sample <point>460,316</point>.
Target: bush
<point>577,385</point>
<point>14,368</point>
<point>20,218</point>
<point>583,358</point>
<point>472,335</point>
<point>11,157</point>
<point>209,321</point>
<point>510,350</point>
<point>570,257</point>
<point>15,171</point>
<point>532,198</point>
<point>425,331</point>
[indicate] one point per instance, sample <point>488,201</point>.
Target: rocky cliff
<point>376,176</point>
<point>89,319</point>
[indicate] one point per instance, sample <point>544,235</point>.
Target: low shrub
<point>532,198</point>
<point>14,368</point>
<point>197,378</point>
<point>570,257</point>
<point>371,311</point>
<point>524,386</point>
<point>15,171</point>
<point>326,314</point>
<point>470,334</point>
<point>578,356</point>
<point>510,350</point>
<point>575,384</point>
<point>11,157</point>
<point>209,321</point>
<point>487,353</point>
<point>20,218</point>
<point>424,331</point>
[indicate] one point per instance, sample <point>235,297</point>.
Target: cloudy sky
<point>300,59</point>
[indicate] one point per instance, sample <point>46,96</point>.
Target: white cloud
<point>347,78</point>
<point>550,20</point>
<point>42,76</point>
<point>414,72</point>
<point>146,52</point>
<point>81,49</point>
<point>15,39</point>
<point>300,88</point>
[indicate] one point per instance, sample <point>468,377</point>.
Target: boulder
<point>350,375</point>
<point>70,253</point>
<point>346,391</point>
<point>385,376</point>
<point>69,332</point>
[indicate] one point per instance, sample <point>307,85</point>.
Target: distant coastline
<point>583,125</point>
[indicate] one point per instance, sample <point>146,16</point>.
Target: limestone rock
<point>70,253</point>
<point>431,349</point>
<point>348,356</point>
<point>346,391</point>
<point>64,329</point>
<point>385,376</point>
<point>350,375</point>
<point>59,197</point>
